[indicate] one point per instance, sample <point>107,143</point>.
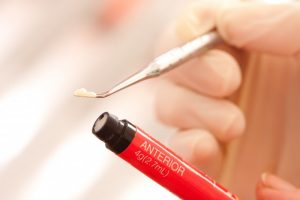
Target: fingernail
<point>195,20</point>
<point>264,178</point>
<point>274,182</point>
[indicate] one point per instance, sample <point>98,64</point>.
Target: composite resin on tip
<point>82,92</point>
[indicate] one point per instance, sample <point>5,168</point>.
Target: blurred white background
<point>47,50</point>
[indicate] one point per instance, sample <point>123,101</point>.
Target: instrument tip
<point>82,92</point>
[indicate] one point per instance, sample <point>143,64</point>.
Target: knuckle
<point>227,78</point>
<point>236,126</point>
<point>211,150</point>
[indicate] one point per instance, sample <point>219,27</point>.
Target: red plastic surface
<point>163,166</point>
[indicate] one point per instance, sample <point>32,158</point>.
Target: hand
<point>264,47</point>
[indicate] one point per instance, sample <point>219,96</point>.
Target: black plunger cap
<point>106,127</point>
<point>117,134</point>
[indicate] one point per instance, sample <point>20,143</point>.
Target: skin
<point>236,107</point>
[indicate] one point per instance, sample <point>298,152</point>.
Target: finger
<point>270,28</point>
<point>271,181</point>
<point>200,148</point>
<point>273,194</point>
<point>196,19</point>
<point>183,108</point>
<point>167,40</point>
<point>216,74</point>
<point>192,22</point>
<point>274,188</point>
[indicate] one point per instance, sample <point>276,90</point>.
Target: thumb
<point>269,28</point>
<point>271,187</point>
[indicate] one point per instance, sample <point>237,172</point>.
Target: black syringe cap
<point>106,126</point>
<point>117,134</point>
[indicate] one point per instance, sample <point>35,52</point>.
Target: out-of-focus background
<point>47,50</point>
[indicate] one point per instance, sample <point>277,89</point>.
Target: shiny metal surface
<point>168,61</point>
